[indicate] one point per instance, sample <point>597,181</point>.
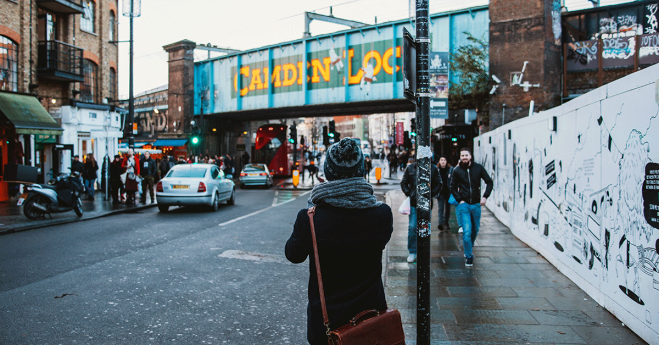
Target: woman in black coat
<point>352,229</point>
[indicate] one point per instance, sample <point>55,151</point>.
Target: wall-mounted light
<point>214,129</point>
<point>156,111</point>
<point>53,101</point>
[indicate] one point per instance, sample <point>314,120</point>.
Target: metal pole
<point>131,99</point>
<point>424,155</point>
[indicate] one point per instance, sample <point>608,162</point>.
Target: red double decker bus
<point>272,149</point>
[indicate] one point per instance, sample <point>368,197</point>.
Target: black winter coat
<point>350,244</point>
<point>408,183</point>
<point>89,171</point>
<point>466,183</point>
<point>148,167</point>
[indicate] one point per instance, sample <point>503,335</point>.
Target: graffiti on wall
<point>150,123</point>
<point>589,195</point>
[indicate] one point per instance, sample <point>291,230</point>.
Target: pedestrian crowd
<point>458,186</point>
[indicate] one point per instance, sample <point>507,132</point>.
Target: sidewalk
<point>13,220</point>
<point>511,295</point>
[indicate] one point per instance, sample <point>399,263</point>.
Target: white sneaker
<point>411,258</point>
<point>460,230</point>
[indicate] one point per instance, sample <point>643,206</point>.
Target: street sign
<point>409,66</point>
<point>400,133</point>
<point>439,70</point>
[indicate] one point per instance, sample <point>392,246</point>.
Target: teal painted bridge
<point>356,71</point>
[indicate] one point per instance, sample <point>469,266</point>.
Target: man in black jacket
<point>408,185</point>
<point>148,172</point>
<point>466,189</point>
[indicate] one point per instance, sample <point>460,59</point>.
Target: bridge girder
<point>322,110</point>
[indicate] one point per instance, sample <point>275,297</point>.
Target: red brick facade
<point>16,18</point>
<point>521,30</point>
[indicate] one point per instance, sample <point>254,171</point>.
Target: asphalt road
<point>188,276</point>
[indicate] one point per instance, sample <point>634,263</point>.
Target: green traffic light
<point>413,134</point>
<point>454,139</point>
<point>331,135</point>
<point>195,140</point>
<point>291,141</point>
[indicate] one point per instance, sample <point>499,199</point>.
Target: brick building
<point>60,52</point>
<point>525,44</point>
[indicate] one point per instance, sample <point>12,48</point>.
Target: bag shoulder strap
<point>311,211</point>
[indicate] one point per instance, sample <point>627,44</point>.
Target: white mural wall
<point>586,196</point>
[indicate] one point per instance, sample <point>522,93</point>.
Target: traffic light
<point>332,127</point>
<point>293,137</point>
<point>413,127</point>
<point>407,143</point>
<point>195,140</point>
<point>325,136</point>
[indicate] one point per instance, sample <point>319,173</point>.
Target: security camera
<point>494,89</point>
<point>496,79</point>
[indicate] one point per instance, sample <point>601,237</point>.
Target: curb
<point>73,220</point>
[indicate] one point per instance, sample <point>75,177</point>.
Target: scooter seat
<point>53,187</point>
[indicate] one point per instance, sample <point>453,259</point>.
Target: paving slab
<point>511,295</point>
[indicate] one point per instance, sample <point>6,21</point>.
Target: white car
<point>195,184</point>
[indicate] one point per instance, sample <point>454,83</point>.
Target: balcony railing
<point>61,6</point>
<point>60,61</point>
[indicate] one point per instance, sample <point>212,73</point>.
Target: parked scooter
<point>61,194</point>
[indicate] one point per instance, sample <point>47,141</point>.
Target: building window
<point>87,18</point>
<point>113,84</point>
<point>8,64</point>
<point>89,90</point>
<point>112,26</point>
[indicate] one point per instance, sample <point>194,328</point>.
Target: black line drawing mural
<point>589,195</point>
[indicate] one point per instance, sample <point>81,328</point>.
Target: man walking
<point>148,172</point>
<point>466,189</point>
<point>408,185</point>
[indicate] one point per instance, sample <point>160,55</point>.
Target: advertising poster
<point>439,85</point>
<point>400,133</point>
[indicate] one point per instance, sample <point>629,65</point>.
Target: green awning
<point>27,115</point>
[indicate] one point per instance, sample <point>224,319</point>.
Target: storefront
<point>92,129</point>
<point>172,147</point>
<point>28,134</point>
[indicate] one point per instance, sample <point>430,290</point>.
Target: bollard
<point>296,177</point>
<point>378,174</point>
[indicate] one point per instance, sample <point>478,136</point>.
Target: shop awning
<point>27,115</point>
<point>170,142</point>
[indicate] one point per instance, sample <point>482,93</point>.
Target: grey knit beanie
<point>344,160</point>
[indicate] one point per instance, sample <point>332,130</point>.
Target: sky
<point>248,24</point>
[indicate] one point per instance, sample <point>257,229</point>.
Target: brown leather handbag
<point>370,327</point>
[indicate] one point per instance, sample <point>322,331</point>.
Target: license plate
<point>180,186</point>
<point>22,198</point>
<point>253,174</point>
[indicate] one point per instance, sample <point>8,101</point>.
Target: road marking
<point>259,211</point>
<point>251,256</point>
<point>274,201</point>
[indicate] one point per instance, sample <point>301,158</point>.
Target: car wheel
<point>232,199</point>
<point>163,208</point>
<point>216,202</point>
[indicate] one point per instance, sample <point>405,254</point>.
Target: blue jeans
<point>411,231</point>
<point>469,217</point>
<point>444,209</point>
<point>89,185</point>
